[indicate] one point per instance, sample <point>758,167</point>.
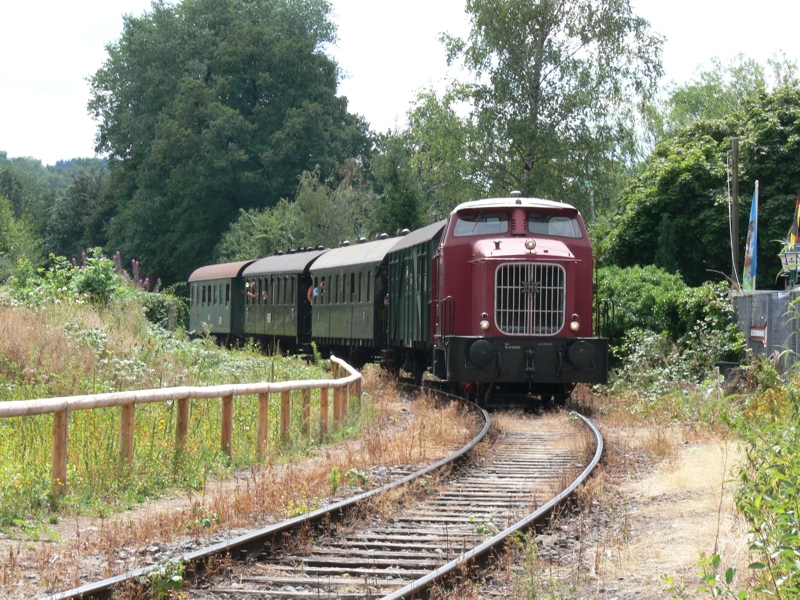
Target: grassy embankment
<point>73,330</point>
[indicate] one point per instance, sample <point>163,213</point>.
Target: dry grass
<point>403,433</point>
<point>34,346</point>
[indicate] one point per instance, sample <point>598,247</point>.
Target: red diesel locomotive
<point>511,301</point>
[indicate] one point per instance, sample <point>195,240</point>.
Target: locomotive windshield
<point>481,224</point>
<point>558,225</point>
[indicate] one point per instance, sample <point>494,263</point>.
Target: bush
<point>665,331</point>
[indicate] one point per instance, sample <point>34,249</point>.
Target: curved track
<point>347,551</point>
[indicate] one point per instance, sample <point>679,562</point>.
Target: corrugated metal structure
<point>770,321</point>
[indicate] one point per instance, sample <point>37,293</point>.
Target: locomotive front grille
<point>529,298</point>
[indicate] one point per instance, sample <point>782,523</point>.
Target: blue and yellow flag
<point>751,247</point>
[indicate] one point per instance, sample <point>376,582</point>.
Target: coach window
<point>352,288</point>
<point>360,281</point>
<point>293,294</point>
<point>227,294</point>
<point>369,288</point>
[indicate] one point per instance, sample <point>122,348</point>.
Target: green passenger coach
<point>276,304</point>
<point>216,294</point>
<point>349,308</point>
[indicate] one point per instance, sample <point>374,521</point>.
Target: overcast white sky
<point>389,50</point>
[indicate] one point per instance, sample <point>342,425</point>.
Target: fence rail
<point>183,395</point>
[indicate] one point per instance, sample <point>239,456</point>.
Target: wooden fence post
<point>126,433</point>
<point>337,405</point>
<point>358,392</point>
<point>181,423</point>
<point>286,412</point>
<point>306,410</point>
<point>227,424</point>
<point>323,409</point>
<point>58,474</point>
<point>263,425</point>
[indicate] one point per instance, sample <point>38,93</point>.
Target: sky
<point>388,50</point>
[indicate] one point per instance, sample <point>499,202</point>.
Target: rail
<point>183,395</point>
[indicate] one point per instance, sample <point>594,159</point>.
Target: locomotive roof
<point>511,202</point>
<point>357,254</point>
<point>419,236</point>
<point>220,271</point>
<point>283,263</point>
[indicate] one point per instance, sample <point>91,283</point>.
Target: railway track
<point>399,540</point>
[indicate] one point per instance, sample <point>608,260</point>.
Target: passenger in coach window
<point>315,292</point>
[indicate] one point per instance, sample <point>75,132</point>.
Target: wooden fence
<point>127,401</point>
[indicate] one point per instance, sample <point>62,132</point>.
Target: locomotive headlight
<point>484,324</point>
<point>575,324</point>
<point>530,243</point>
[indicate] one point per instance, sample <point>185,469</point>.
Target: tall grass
<point>63,349</point>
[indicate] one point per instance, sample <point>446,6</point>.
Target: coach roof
<point>358,254</point>
<point>298,262</point>
<point>419,236</point>
<point>222,271</point>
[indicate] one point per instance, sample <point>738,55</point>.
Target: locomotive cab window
<point>554,224</point>
<point>481,224</point>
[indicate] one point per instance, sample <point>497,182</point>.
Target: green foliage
<point>77,217</point>
<point>401,195</point>
<point>441,159</point>
<point>33,190</point>
<point>165,307</point>
<point>555,91</point>
<point>324,213</point>
<point>719,584</point>
<point>165,578</point>
<point>768,498</point>
<point>535,580</point>
<point>665,333</point>
<point>685,181</point>
<point>335,478</point>
<point>209,108</point>
<point>110,346</point>
<point>722,89</point>
<point>18,240</point>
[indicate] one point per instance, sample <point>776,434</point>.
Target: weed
<point>164,579</point>
<point>335,478</point>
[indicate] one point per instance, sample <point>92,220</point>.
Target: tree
<point>323,214</point>
<point>717,92</point>
<point>18,240</point>
<point>400,191</point>
<point>209,108</point>
<point>75,221</point>
<point>685,181</point>
<point>438,143</point>
<point>557,84</point>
